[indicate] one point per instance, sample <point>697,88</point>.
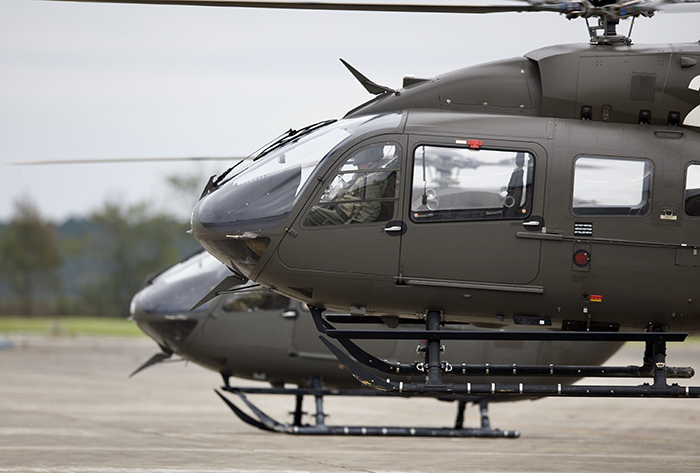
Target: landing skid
<point>267,423</point>
<point>654,363</point>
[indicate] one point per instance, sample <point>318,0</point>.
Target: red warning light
<point>475,144</point>
<point>582,258</point>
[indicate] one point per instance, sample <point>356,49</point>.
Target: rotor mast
<point>609,28</point>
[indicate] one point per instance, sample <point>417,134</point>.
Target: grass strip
<point>70,325</point>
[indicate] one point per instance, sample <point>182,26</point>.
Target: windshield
<point>262,194</point>
<point>306,152</point>
<point>179,288</point>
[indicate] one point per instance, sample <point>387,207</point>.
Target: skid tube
<point>264,422</point>
<point>654,363</point>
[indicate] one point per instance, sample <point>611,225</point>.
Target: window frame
<point>686,189</point>
<point>271,299</point>
<point>338,170</point>
<point>529,188</point>
<point>641,210</point>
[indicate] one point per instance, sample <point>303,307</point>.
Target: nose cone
<point>162,309</point>
<point>239,250</point>
<point>230,221</point>
<point>167,330</point>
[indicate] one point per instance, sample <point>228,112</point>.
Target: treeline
<point>89,266</point>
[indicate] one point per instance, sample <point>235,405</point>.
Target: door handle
<point>395,228</point>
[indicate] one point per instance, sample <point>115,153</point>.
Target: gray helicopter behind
<point>573,206</point>
<point>255,334</point>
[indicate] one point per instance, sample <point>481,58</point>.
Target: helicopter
<point>253,333</point>
<point>581,224</point>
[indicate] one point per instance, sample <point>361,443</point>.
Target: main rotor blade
<point>376,7</point>
<point>123,160</point>
<point>572,9</point>
<point>686,6</point>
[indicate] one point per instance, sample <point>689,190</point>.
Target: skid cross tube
<point>654,363</point>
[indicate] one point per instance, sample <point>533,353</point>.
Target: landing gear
<point>265,422</point>
<point>654,365</point>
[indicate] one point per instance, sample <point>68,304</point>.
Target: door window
<point>362,191</point>
<point>249,301</point>
<point>451,183</point>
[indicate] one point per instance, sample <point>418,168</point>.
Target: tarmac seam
<point>330,452</point>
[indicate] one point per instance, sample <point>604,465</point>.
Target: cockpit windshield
<point>265,191</point>
<point>306,152</point>
<point>176,290</point>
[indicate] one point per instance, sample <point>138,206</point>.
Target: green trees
<point>90,266</point>
<point>29,260</point>
<point>124,246</point>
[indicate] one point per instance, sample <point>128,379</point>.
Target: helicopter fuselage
<point>253,333</point>
<point>559,189</point>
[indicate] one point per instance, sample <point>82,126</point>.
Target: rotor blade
<point>122,160</point>
<point>376,7</point>
<point>687,6</point>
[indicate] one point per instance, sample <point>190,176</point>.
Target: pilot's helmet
<point>369,155</point>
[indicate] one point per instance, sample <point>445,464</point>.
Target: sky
<point>81,81</point>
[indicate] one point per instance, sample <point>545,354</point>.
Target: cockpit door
<point>347,227</point>
<point>467,201</point>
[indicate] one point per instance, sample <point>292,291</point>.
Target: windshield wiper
<point>286,137</point>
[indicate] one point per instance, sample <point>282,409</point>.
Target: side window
<point>607,186</point>
<point>692,190</point>
<point>470,184</point>
<point>248,301</point>
<point>362,191</point>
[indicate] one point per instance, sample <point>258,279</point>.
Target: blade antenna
<point>371,87</point>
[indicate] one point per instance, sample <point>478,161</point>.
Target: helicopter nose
<point>136,311</point>
<point>233,244</point>
<point>230,221</point>
<point>167,330</point>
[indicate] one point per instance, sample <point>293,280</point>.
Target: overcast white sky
<point>102,81</point>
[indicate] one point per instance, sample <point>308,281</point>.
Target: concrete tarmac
<point>66,405</point>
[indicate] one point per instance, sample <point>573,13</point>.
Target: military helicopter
<point>254,333</point>
<point>576,212</point>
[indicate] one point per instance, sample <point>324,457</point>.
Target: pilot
<point>351,203</point>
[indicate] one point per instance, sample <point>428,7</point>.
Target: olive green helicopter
<point>560,190</point>
<point>252,333</point>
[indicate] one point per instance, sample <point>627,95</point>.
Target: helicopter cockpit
<point>362,191</point>
<point>261,196</point>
